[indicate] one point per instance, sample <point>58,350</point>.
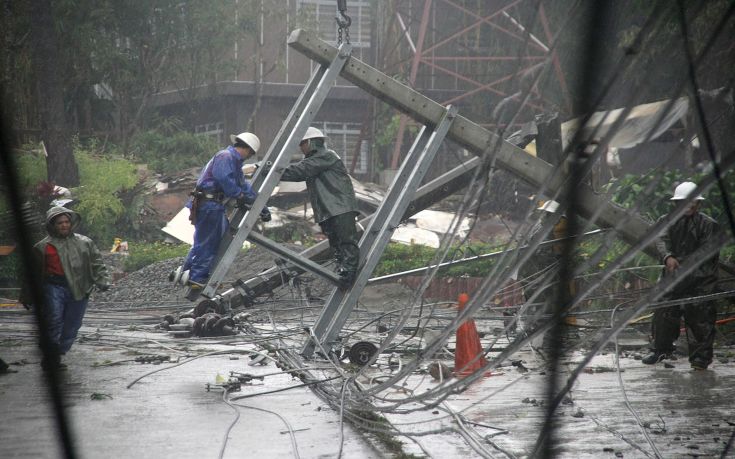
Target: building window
<point>343,138</point>
<point>213,130</point>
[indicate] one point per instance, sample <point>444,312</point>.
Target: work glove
<point>242,202</point>
<point>265,217</point>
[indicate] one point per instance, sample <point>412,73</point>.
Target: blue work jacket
<point>223,173</point>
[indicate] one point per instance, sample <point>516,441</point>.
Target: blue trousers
<point>63,315</point>
<point>210,226</point>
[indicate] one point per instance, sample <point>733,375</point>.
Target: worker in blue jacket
<point>220,180</point>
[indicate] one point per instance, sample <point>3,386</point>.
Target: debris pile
<point>205,325</point>
<point>150,286</point>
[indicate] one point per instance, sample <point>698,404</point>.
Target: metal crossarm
<point>378,233</point>
<point>430,193</point>
<point>476,138</point>
<point>293,257</point>
<point>246,222</point>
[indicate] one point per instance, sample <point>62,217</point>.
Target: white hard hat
<point>61,202</point>
<point>312,133</point>
<point>550,206</point>
<point>62,192</point>
<point>684,190</point>
<point>250,139</point>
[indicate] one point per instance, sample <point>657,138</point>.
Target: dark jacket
<point>680,240</point>
<point>80,258</point>
<point>327,181</point>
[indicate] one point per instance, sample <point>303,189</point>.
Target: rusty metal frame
<point>423,53</point>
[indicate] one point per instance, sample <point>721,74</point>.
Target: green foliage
<point>142,254</point>
<point>386,136</point>
<point>102,179</point>
<point>590,247</point>
<point>10,269</point>
<point>651,193</point>
<point>728,253</point>
<point>401,257</point>
<point>170,149</point>
<point>131,50</point>
<point>31,167</point>
<point>656,186</point>
<point>299,230</point>
<point>655,61</point>
<point>386,123</point>
<point>473,269</point>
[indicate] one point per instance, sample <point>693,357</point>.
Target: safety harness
<point>200,196</point>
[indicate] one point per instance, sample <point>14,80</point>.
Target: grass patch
<point>143,254</point>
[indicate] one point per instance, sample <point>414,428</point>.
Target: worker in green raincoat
<point>71,268</point>
<point>332,199</point>
<point>681,239</point>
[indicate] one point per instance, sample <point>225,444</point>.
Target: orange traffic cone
<point>468,348</point>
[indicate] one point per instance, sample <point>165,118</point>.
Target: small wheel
<point>185,277</point>
<point>175,275</point>
<point>362,352</point>
<point>219,326</point>
<point>208,328</point>
<point>198,327</point>
<point>205,306</point>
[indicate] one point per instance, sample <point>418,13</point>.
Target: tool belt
<point>201,196</point>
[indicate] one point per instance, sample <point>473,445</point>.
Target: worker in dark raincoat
<point>221,179</point>
<point>540,274</point>
<point>71,268</point>
<point>546,257</point>
<point>679,241</point>
<point>332,199</point>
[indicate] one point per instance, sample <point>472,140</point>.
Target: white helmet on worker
<point>550,206</point>
<point>312,133</point>
<point>248,138</point>
<point>684,191</point>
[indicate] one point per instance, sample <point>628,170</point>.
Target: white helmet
<point>312,133</point>
<point>684,190</point>
<point>550,206</point>
<point>248,138</point>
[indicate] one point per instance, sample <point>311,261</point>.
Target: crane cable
<point>343,22</point>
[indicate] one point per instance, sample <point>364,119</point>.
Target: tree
<point>62,169</point>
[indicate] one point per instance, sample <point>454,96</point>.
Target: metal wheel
<point>362,352</point>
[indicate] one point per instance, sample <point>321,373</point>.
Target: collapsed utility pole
<point>404,197</point>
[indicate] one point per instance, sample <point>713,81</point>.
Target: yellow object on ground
<point>641,318</point>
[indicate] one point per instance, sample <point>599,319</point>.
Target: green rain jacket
<point>80,258</point>
<point>680,240</point>
<point>327,181</point>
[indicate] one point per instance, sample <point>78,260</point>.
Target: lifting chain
<point>343,22</point>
